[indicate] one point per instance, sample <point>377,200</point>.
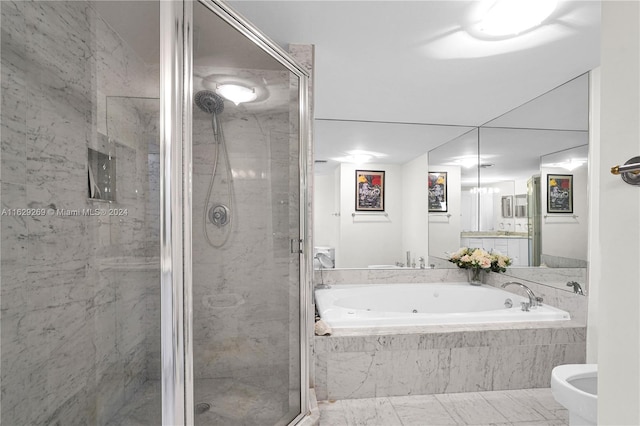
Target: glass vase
<point>476,276</point>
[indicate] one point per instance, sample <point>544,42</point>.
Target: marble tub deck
<point>526,407</point>
<point>444,359</point>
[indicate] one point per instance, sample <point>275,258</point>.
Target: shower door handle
<point>296,246</point>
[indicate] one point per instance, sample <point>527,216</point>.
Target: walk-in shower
<point>220,213</point>
<point>178,298</point>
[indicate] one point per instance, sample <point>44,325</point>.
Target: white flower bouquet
<point>477,258</point>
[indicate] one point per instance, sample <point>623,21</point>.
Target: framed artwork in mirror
<point>559,193</point>
<point>437,191</point>
<point>370,190</point>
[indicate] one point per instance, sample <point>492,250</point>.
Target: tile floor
<point>526,407</point>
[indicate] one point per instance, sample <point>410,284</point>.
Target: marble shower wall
<point>242,289</point>
<point>74,288</point>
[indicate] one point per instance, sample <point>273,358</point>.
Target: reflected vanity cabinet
<point>517,248</point>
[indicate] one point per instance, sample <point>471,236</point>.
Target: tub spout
<point>533,300</point>
<point>577,289</point>
<point>421,260</point>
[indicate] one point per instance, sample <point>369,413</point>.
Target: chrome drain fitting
<point>203,407</point>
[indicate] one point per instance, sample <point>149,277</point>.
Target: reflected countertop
<point>494,234</point>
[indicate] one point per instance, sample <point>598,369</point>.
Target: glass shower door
<point>246,229</point>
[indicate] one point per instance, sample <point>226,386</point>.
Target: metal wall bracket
<point>630,171</point>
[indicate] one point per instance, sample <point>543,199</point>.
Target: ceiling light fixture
<point>236,93</point>
<point>512,17</point>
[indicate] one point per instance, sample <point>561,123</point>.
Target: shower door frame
<point>176,100</point>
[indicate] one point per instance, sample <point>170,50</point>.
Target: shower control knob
<point>219,215</point>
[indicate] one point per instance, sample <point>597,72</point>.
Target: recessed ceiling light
<point>512,17</point>
<point>236,93</point>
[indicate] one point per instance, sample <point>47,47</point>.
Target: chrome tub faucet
<point>533,300</point>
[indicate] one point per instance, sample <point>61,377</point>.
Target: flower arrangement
<point>476,258</point>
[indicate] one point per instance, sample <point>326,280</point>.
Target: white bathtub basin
<point>380,305</point>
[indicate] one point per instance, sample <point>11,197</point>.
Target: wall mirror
<point>506,208</point>
<point>506,159</point>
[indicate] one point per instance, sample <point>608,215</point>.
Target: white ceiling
<point>413,61</point>
<point>387,71</point>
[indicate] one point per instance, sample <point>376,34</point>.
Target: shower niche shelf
<point>102,176</point>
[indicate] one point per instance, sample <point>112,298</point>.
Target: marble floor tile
<point>512,407</point>
<point>470,408</point>
<point>527,407</point>
<point>370,411</point>
<point>332,413</point>
<point>421,410</point>
<point>534,400</point>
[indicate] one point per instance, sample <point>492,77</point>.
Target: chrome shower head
<point>209,102</point>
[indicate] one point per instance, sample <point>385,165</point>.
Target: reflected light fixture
<point>511,17</point>
<point>358,156</point>
<point>570,164</point>
<point>484,190</point>
<point>237,93</point>
<point>467,162</point>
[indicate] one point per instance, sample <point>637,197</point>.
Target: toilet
<point>575,387</point>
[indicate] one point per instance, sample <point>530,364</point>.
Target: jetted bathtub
<point>392,305</point>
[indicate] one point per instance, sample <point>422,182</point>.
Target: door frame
<point>176,100</point>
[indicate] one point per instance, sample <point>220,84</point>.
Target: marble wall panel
<point>73,339</point>
<point>13,102</point>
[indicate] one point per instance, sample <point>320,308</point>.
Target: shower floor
<point>231,403</point>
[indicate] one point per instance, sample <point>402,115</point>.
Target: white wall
<point>615,250</point>
<point>557,229</point>
<point>415,229</point>
<point>367,239</point>
<point>468,210</point>
<point>594,270</point>
<point>444,232</point>
<point>325,208</point>
<point>373,238</point>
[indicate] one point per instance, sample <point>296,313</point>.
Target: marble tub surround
<point>552,277</point>
<point>364,363</point>
<point>568,301</point>
<point>443,359</point>
<point>390,276</point>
